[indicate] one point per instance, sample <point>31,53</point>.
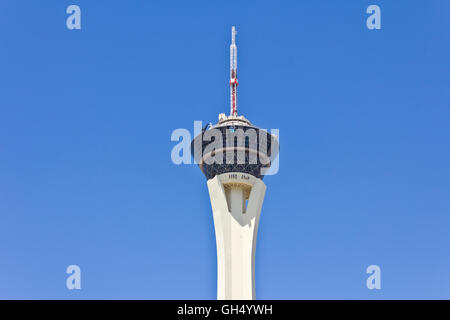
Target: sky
<point>86,176</point>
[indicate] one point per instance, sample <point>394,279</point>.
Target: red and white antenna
<point>233,74</point>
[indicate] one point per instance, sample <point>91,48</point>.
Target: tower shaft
<point>236,228</point>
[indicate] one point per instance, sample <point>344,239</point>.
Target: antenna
<point>233,74</point>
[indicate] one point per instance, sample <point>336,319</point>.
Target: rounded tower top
<point>234,144</point>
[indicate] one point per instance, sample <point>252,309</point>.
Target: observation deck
<point>234,145</point>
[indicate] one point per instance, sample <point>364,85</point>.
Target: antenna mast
<point>233,73</point>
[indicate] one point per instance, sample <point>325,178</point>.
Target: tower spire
<point>233,74</point>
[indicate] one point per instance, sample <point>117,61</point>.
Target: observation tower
<point>234,156</point>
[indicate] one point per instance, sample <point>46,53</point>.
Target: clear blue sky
<point>86,117</point>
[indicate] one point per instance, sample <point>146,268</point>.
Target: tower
<point>234,155</point>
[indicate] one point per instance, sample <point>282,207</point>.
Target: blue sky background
<point>86,117</point>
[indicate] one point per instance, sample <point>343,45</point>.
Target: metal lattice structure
<point>242,148</point>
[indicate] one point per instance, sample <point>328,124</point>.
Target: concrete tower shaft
<point>236,201</point>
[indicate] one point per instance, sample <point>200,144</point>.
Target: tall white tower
<point>234,155</point>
